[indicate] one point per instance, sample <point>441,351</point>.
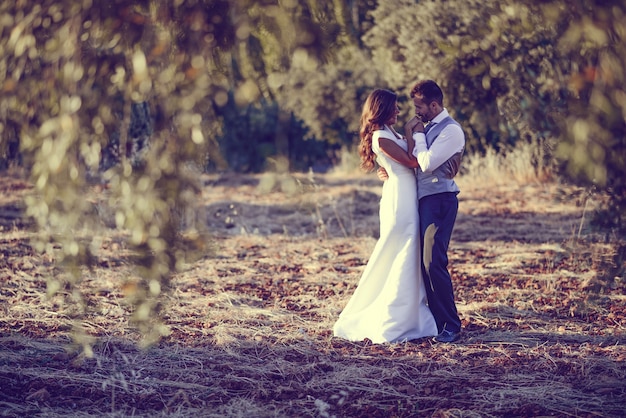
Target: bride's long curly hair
<point>379,107</point>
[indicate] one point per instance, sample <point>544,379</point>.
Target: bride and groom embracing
<point>405,291</point>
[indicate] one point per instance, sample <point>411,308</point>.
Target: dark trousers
<point>440,209</point>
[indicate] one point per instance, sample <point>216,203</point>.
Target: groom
<point>438,148</point>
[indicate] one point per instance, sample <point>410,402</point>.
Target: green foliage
<point>484,54</point>
<point>291,54</point>
<point>543,72</point>
<point>329,98</point>
<point>9,145</point>
<point>507,67</point>
<point>550,70</point>
<point>593,149</point>
<point>73,64</point>
<point>252,135</point>
<point>72,72</point>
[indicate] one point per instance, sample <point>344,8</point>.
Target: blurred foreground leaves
<point>71,75</point>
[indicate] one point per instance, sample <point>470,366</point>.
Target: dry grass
<point>526,162</point>
<point>251,324</point>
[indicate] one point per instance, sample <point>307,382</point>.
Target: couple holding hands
<point>405,291</point>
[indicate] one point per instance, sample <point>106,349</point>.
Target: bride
<point>389,303</point>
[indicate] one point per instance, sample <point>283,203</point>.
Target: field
<point>542,303</point>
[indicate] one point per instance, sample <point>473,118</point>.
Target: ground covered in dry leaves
<point>541,300</point>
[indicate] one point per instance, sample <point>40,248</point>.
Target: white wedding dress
<point>389,303</point>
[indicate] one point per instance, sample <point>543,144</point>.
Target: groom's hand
<point>382,174</point>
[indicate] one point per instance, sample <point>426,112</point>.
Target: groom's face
<point>422,109</point>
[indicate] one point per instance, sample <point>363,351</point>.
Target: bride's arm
<point>393,151</point>
<point>412,126</point>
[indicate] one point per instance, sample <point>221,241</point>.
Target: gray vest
<point>441,180</point>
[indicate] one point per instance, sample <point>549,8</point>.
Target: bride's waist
<point>401,172</point>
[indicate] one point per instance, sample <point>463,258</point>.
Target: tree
<point>73,70</point>
<point>328,98</point>
<point>426,41</point>
<point>520,71</point>
<point>550,70</point>
<point>276,48</point>
<point>593,148</point>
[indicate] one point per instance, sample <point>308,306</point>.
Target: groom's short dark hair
<point>428,91</point>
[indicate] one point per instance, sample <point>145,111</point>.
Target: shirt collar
<point>441,116</point>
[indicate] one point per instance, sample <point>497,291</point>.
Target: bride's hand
<point>382,174</point>
<point>413,125</point>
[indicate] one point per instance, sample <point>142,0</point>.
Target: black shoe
<point>447,336</point>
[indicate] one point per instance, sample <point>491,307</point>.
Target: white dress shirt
<point>450,141</point>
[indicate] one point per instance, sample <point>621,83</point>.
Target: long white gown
<point>389,303</point>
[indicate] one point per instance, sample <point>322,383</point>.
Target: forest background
<point>118,118</point>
